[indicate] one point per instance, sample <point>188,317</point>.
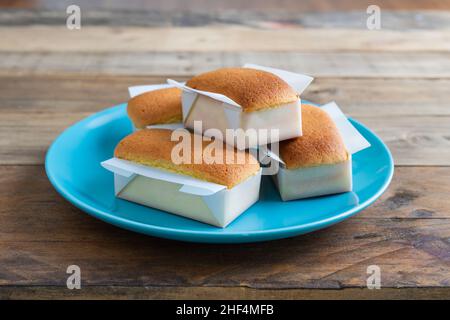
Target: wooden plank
<point>412,253</point>
<point>357,96</point>
<point>265,6</point>
<point>410,115</point>
<point>412,140</point>
<point>320,64</point>
<point>195,17</point>
<point>415,193</point>
<point>220,293</point>
<point>405,233</point>
<point>217,39</point>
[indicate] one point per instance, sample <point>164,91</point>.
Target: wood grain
<point>218,293</point>
<point>266,6</point>
<point>412,140</point>
<point>395,80</point>
<point>411,115</point>
<point>201,17</point>
<point>405,233</point>
<point>27,195</point>
<point>320,64</point>
<point>230,39</point>
<point>52,94</point>
<point>410,253</point>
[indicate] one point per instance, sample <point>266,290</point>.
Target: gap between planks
<point>281,18</point>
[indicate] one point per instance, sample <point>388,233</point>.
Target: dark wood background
<point>396,80</point>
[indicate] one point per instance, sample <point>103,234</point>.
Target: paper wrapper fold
<point>182,195</point>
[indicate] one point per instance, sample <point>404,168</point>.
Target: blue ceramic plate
<point>73,167</point>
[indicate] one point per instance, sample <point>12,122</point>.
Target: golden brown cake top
<point>320,144</point>
<point>252,89</point>
<point>155,107</point>
<point>153,147</point>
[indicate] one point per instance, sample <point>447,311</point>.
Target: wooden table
<point>395,80</point>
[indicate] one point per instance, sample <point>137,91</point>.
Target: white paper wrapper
<point>353,140</point>
<point>321,180</point>
<point>299,82</point>
<point>217,111</point>
<point>314,181</point>
<point>137,90</point>
<point>183,195</point>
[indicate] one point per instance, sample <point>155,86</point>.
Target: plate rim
<point>213,236</point>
